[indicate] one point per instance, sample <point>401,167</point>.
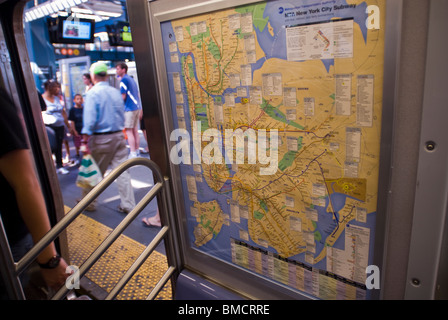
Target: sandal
<point>148,224</point>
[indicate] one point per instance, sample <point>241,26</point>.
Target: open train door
<point>17,80</point>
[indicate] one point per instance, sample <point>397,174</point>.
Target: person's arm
<point>123,88</point>
<point>71,121</point>
<point>90,115</point>
<point>64,115</point>
<point>72,128</point>
<point>85,144</point>
<point>17,168</point>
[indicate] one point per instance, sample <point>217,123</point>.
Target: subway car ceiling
<point>103,34</point>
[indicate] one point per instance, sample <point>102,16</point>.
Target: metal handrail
<point>137,264</point>
<point>31,255</point>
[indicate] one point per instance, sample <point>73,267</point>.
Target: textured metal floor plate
<point>85,235</point>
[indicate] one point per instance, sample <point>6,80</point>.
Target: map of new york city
<point>313,71</point>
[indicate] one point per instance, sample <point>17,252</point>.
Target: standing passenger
<point>75,120</point>
<point>22,205</point>
<point>87,81</point>
<point>55,117</point>
<point>129,92</point>
<point>103,129</point>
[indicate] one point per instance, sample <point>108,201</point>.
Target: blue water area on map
<point>219,246</point>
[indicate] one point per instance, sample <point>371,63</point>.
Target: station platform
<point>91,228</point>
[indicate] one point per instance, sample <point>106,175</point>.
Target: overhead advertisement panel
<point>277,110</point>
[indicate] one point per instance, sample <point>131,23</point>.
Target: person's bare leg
<point>136,139</point>
<point>131,138</point>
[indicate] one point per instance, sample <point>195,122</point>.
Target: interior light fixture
<point>80,10</point>
<point>65,3</point>
<point>58,4</point>
<point>49,8</point>
<point>59,7</point>
<point>108,14</point>
<point>54,6</point>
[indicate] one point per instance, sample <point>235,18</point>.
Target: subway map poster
<point>277,108</point>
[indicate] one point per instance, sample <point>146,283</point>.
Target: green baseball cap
<point>98,67</point>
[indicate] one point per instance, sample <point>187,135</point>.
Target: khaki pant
<point>110,150</point>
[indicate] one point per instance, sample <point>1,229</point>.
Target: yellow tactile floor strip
<point>85,234</point>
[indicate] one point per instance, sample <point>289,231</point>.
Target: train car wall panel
<point>273,117</point>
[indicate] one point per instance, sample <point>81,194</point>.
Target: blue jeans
<point>18,250</point>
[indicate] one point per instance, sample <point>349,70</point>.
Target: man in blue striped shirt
<point>103,123</point>
<point>132,108</point>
